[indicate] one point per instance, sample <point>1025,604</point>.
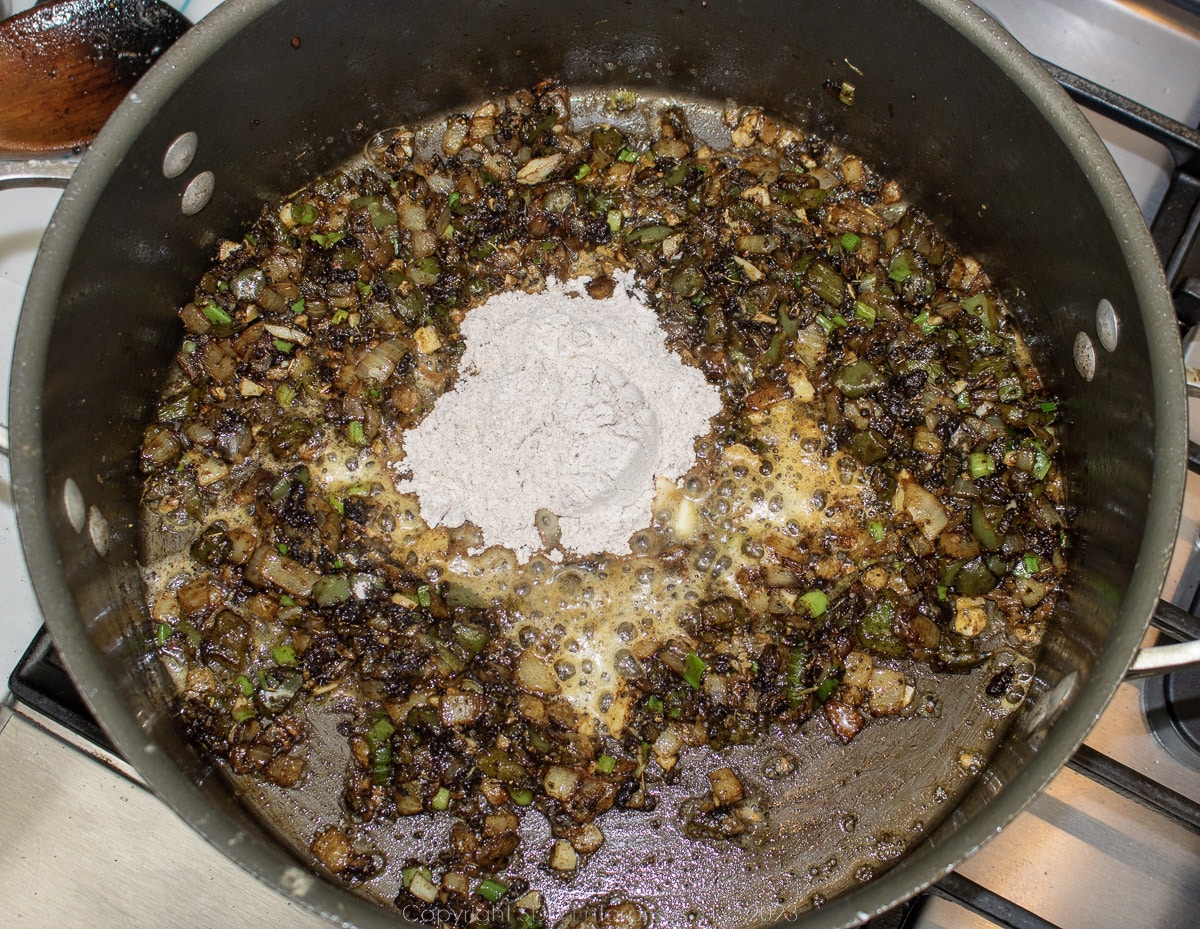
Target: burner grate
<point>41,681</point>
<point>1176,226</point>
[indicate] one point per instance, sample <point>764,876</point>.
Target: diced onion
<point>560,782</point>
<point>535,674</point>
<point>924,508</point>
<point>379,363</point>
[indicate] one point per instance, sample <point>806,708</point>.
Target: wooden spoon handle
<point>66,65</point>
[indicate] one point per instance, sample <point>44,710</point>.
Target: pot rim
<point>276,868</point>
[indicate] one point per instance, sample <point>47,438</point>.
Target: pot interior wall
<point>304,84</point>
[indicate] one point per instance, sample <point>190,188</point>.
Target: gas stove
<point>1113,841</point>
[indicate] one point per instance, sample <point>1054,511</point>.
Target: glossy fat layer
<point>592,617</point>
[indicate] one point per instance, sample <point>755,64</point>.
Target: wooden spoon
<point>65,65</point>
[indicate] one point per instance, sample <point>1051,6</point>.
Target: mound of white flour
<point>565,404</point>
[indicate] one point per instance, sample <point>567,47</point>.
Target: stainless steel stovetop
<point>83,842</point>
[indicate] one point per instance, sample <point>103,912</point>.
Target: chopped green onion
<point>179,407</point>
<point>287,600</point>
<point>900,269</point>
<point>678,175</point>
<point>355,433</point>
<point>285,394</point>
<point>189,347</point>
<point>338,563</point>
<point>223,286</point>
<point>361,489</point>
<point>339,316</point>
<point>1009,391</point>
<point>614,220</point>
<point>284,655</point>
<point>875,631</point>
<point>627,155</point>
<point>648,235</point>
<point>245,685</point>
<point>491,890</point>
<point>825,282</point>
<point>693,670</point>
<point>655,705</point>
<point>829,323</point>
<point>283,345</point>
<point>193,634</point>
<point>921,320</point>
<point>379,746</point>
<point>850,241</point>
<point>584,171</point>
<point>605,764</point>
<point>282,548</point>
<point>826,688</point>
<point>981,307</point>
<point>327,239</point>
<point>305,213</point>
<point>243,713</point>
<point>1041,462</point>
<point>441,799</point>
<point>521,796</point>
<point>875,527</point>
<point>963,400</point>
<point>162,633</point>
<point>983,529</point>
<point>865,312</point>
<point>381,729</point>
<point>331,589</point>
<point>338,505</point>
<point>816,602</point>
<point>297,306</point>
<point>942,590</point>
<point>1049,407</point>
<point>1031,563</point>
<point>471,637</point>
<point>981,464</point>
<point>794,673</point>
<point>364,287</point>
<point>216,315</point>
<point>281,487</point>
<point>423,596</point>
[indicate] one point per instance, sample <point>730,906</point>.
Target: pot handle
<point>43,172</point>
<point>1182,629</point>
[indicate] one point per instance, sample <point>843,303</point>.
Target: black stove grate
<point>41,681</point>
<point>1177,223</point>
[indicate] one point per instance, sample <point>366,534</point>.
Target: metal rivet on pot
<point>1108,327</point>
<point>1085,356</point>
<point>198,192</point>
<point>98,531</point>
<point>180,154</point>
<point>74,505</point>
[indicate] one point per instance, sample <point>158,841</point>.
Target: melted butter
<point>595,619</point>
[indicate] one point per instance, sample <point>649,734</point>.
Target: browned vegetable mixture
<point>880,488</point>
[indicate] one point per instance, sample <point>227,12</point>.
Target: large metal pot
<point>277,91</point>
